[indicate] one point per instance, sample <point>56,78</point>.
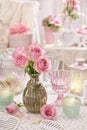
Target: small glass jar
<point>71,106</point>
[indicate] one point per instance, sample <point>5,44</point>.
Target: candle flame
<point>76,87</point>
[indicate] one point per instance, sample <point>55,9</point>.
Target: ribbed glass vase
<point>34,96</point>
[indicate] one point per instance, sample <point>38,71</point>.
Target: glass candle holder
<point>6,97</point>
<point>71,106</point>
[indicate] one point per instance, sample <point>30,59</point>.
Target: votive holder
<point>71,106</point>
<point>6,97</point>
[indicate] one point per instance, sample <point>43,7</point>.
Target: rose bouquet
<point>35,63</point>
<point>33,59</point>
<point>72,9</point>
<point>53,23</point>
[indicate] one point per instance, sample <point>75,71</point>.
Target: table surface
<point>36,122</point>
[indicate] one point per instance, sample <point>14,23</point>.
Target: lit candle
<point>76,88</point>
<point>71,106</point>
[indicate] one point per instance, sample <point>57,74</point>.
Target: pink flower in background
<point>21,60</point>
<point>76,2</point>
<point>12,109</point>
<point>18,28</point>
<point>57,22</point>
<point>43,22</point>
<point>43,65</point>
<point>72,2</point>
<point>72,9</point>
<point>35,52</point>
<point>82,31</point>
<point>51,19</point>
<point>52,23</point>
<point>48,111</point>
<point>77,8</point>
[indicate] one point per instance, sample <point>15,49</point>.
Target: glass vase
<point>34,96</point>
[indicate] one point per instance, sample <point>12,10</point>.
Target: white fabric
<point>15,11</point>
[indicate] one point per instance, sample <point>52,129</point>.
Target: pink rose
<point>72,2</point>
<point>51,20</point>
<point>43,65</point>
<point>82,31</point>
<point>48,111</point>
<point>43,22</point>
<point>20,57</point>
<point>76,2</point>
<point>21,60</point>
<point>35,52</point>
<point>57,22</point>
<point>18,28</point>
<point>12,109</point>
<point>77,8</point>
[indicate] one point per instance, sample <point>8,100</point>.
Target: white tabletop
<point>37,122</point>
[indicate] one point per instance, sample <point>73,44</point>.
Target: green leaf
<point>30,68</point>
<point>59,27</point>
<point>69,9</point>
<point>75,16</point>
<point>20,105</point>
